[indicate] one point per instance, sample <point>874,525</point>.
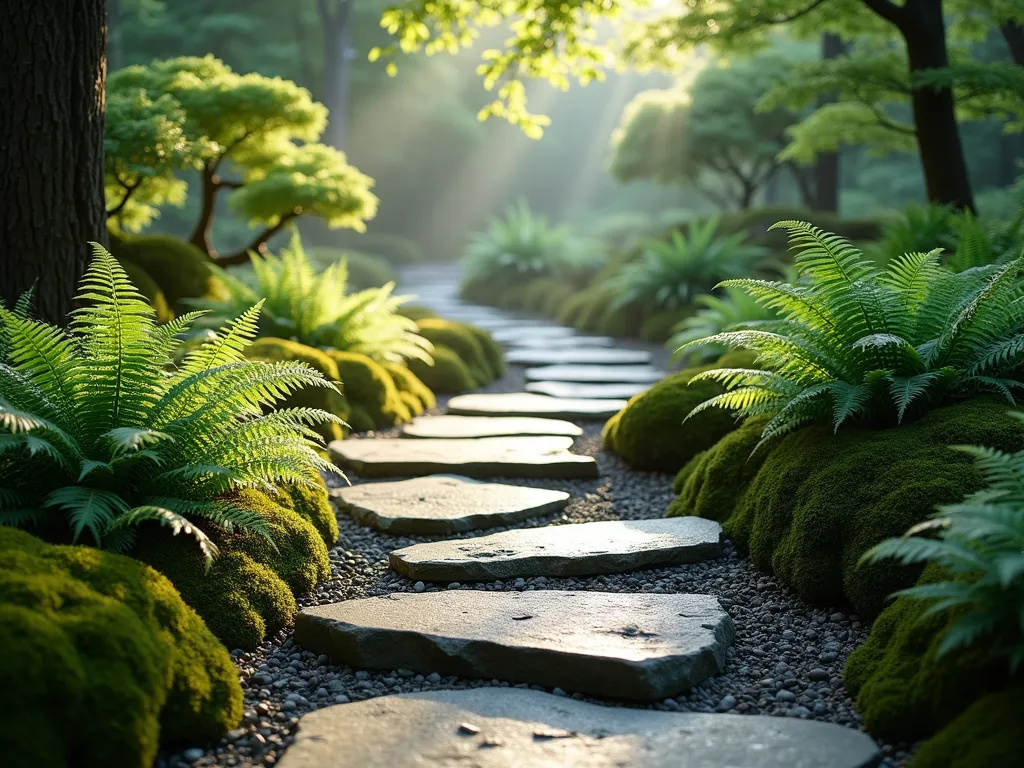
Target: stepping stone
<point>597,374</point>
<point>480,457</point>
<point>515,333</point>
<point>566,342</point>
<point>626,645</point>
<point>584,549</point>
<point>595,356</point>
<point>502,727</point>
<point>530,404</point>
<point>448,427</point>
<point>444,504</point>
<point>594,391</point>
<point>497,323</point>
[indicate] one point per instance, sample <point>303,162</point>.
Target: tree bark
<point>259,243</point>
<point>826,167</point>
<point>52,78</point>
<point>1013,33</point>
<point>202,235</point>
<point>336,19</point>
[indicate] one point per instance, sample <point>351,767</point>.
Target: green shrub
<point>180,269</point>
<point>364,270</point>
<point>408,384</point>
<point>919,229</point>
<point>904,688</point>
<point>493,354</point>
<point>98,437</point>
<point>463,342</point>
<point>311,503</point>
<point>862,343</point>
<point>649,432</point>
<point>731,310</point>
<point>988,733</point>
<point>415,312</point>
<point>147,286</point>
<point>370,391</point>
<point>657,327</point>
<point>101,660</point>
<point>447,376</point>
<point>279,350</point>
<point>821,499</point>
<point>756,222</point>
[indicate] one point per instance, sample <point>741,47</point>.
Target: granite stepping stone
<point>595,356</point>
<point>452,427</point>
<point>597,374</point>
<point>584,549</point>
<point>546,456</point>
<point>531,404</point>
<point>565,342</point>
<point>444,504</point>
<point>502,727</point>
<point>514,333</point>
<point>574,389</point>
<point>639,646</point>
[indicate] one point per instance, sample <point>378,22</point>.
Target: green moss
<point>276,350</point>
<point>483,290</point>
<point>409,384</point>
<point>988,733</point>
<point>658,326</point>
<point>494,357</point>
<point>415,312</point>
<point>178,267</point>
<point>102,661</point>
<point>820,500</point>
<point>447,376</point>
<point>147,287</point>
<point>369,386</point>
<point>311,503</point>
<point>649,432</point>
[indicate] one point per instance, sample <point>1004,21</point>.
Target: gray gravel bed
<point>787,658</point>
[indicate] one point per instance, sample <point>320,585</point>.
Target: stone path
<point>563,550</point>
<point>569,389</point>
<point>597,374</point>
<point>444,504</point>
<point>565,342</point>
<point>596,356</point>
<point>506,727</point>
<point>530,404</point>
<point>514,334</point>
<point>451,427</point>
<point>642,647</point>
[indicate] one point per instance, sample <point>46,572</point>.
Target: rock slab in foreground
<point>442,504</point>
<point>531,404</point>
<point>479,457</point>
<point>454,427</point>
<point>591,356</point>
<point>628,646</point>
<point>597,374</point>
<point>583,549</point>
<point>593,391</point>
<point>502,727</point>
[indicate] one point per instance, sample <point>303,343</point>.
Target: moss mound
<point>649,432</point>
<point>414,392</point>
<point>275,350</point>
<point>415,312</point>
<point>494,357</point>
<point>447,376</point>
<point>988,733</point>
<point>179,268</point>
<point>370,391</point>
<point>147,287</point>
<point>311,503</point>
<point>820,500</point>
<point>463,342</point>
<point>101,660</point>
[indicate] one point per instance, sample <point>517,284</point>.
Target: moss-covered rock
<point>822,499</point>
<point>312,503</point>
<point>148,287</point>
<point>370,391</point>
<point>447,376</point>
<point>493,354</point>
<point>414,392</point>
<point>649,432</point>
<point>415,312</point>
<point>180,269</point>
<point>276,350</point>
<point>988,733</point>
<point>101,661</point>
<point>460,340</point>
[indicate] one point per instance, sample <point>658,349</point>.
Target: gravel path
<point>787,658</point>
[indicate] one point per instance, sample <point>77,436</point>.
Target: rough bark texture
<point>52,76</point>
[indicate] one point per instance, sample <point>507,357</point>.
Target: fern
<point>979,545</point>
<point>854,341</point>
<point>669,275</point>
<point>315,309</point>
<point>99,427</point>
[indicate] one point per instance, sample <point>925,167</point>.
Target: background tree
<point>52,72</point>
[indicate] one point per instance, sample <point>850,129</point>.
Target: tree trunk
<point>115,50</point>
<point>52,78</point>
<point>938,135</point>
<point>826,168</point>
<point>202,235</point>
<point>1013,33</point>
<point>336,19</point>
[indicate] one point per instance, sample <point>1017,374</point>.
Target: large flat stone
<point>625,645</point>
<point>584,549</point>
<point>574,389</point>
<point>451,427</point>
<point>597,374</point>
<point>505,727</point>
<point>530,404</point>
<point>444,504</point>
<point>515,333</point>
<point>479,457</point>
<point>565,342</point>
<point>594,356</point>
